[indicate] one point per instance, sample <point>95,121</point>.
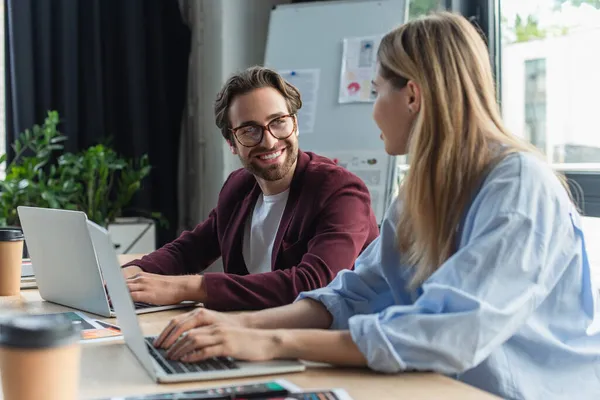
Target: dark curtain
<point>112,69</point>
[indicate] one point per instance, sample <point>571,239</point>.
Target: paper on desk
<point>307,83</point>
<point>295,393</point>
<point>328,394</point>
<point>92,330</point>
<point>213,392</point>
<point>359,66</point>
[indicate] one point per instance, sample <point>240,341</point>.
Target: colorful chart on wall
<point>359,66</point>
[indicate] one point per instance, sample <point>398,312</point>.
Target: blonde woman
<point>480,271</point>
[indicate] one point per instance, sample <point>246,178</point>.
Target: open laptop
<point>66,265</point>
<point>152,359</point>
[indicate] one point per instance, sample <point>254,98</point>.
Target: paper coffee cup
<point>39,358</point>
<point>11,258</point>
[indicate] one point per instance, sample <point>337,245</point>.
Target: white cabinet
<point>133,235</point>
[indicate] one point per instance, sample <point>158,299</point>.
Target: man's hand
<point>165,290</point>
<point>198,318</point>
<point>130,271</point>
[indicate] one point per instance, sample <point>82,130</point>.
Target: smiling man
<point>287,222</point>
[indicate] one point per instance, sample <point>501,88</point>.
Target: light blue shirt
<point>514,311</point>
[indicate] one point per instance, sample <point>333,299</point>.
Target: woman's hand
<point>198,318</point>
<point>222,340</point>
<point>241,343</point>
<point>203,333</point>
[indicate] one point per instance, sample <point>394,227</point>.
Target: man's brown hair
<point>244,82</point>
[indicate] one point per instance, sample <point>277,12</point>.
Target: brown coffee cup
<point>11,258</point>
<point>39,358</point>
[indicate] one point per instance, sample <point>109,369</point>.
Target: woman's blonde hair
<point>457,136</point>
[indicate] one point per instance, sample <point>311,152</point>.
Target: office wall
<point>2,92</point>
<point>231,36</point>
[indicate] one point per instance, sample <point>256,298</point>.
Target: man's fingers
<point>142,297</point>
<point>131,270</point>
<point>137,278</point>
<point>136,287</point>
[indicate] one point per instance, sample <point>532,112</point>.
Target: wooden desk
<point>110,369</point>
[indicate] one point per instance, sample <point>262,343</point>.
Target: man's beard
<point>272,172</point>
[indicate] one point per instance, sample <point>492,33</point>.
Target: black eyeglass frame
<point>263,128</point>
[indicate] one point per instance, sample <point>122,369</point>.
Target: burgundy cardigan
<point>326,224</point>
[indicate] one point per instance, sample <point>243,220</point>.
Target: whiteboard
<point>309,37</point>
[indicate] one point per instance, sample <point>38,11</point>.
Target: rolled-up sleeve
<point>365,289</point>
<point>471,304</point>
<point>350,293</point>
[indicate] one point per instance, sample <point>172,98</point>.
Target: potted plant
<point>96,180</point>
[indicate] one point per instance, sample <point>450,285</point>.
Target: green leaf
<point>97,180</point>
<point>45,153</point>
<point>23,184</point>
<point>40,165</point>
<point>51,199</point>
<point>68,185</point>
<point>145,171</point>
<point>58,139</point>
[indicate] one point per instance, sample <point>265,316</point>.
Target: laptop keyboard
<point>137,305</point>
<point>177,367</point>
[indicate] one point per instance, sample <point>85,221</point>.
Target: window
<point>549,91</point>
<point>417,8</point>
<point>535,102</point>
<point>550,78</point>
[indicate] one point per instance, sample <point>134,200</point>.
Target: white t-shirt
<point>260,231</point>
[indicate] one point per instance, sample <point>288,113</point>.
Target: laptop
<point>152,359</point>
<point>66,264</point>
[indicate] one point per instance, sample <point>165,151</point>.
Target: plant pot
<point>133,235</point>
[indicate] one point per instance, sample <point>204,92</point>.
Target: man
<point>287,222</point>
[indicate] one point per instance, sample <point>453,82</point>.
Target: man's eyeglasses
<point>251,135</point>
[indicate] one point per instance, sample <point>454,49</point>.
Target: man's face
<point>272,159</point>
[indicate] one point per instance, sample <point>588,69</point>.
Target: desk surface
<point>110,369</point>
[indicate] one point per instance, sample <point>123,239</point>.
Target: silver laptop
<point>152,359</point>
<point>66,264</point>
